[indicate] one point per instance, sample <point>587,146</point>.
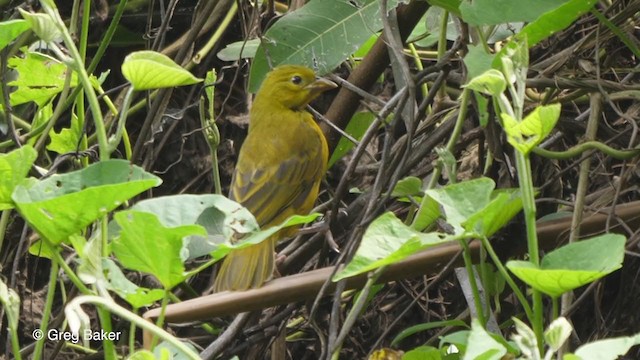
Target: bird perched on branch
<point>279,169</point>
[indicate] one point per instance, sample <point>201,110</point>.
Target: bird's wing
<point>274,189</point>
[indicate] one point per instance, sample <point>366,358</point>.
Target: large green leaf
<point>423,353</point>
<point>40,78</point>
<point>239,50</point>
<point>572,265</point>
<point>136,296</point>
<point>9,30</point>
<point>146,245</point>
<point>557,333</point>
<point>555,20</point>
<point>607,349</point>
<point>494,12</point>
<point>387,241</point>
<point>460,201</point>
<point>152,70</point>
<point>535,127</point>
<point>228,225</point>
<point>477,62</point>
<point>221,217</point>
<point>480,344</point>
<point>14,168</point>
<point>504,205</point>
<point>490,82</point>
<point>63,205</point>
<point>320,35</point>
<point>43,25</point>
<point>452,6</point>
<point>258,236</point>
<point>67,139</point>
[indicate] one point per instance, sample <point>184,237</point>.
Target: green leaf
<point>427,31</point>
<point>42,116</point>
<point>224,221</point>
<point>40,78</point>
<point>572,265</point>
<point>505,204</point>
<point>89,269</point>
<point>477,61</point>
<point>63,205</point>
<point>525,339</point>
<point>608,349</point>
<point>428,212</point>
<point>554,20</point>
<point>152,70</point>
<point>222,218</point>
<point>571,356</point>
<point>528,133</point>
<point>424,327</point>
<point>452,6</point>
<point>494,12</point>
<point>168,351</point>
<point>557,333</point>
<point>42,25</point>
<point>260,236</point>
<point>457,338</point>
<point>409,186</point>
<point>423,353</point>
<point>9,30</point>
<point>357,126</point>
<point>483,104</point>
<point>326,33</point>
<point>146,245</point>
<point>490,82</point>
<point>136,296</point>
<point>364,49</point>
<point>460,201</point>
<point>145,355</point>
<point>387,241</point>
<point>481,345</point>
<point>14,168</point>
<point>44,249</point>
<point>239,50</point>
<point>492,280</point>
<point>68,139</point>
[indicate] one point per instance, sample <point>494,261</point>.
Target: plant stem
<point>78,65</point>
<point>4,221</point>
<point>51,292</point>
<point>468,264</point>
<point>416,60</point>
<point>72,275</point>
<point>523,166</point>
<point>160,319</point>
<point>503,271</point>
<point>455,135</point>
<point>442,44</point>
<point>214,38</point>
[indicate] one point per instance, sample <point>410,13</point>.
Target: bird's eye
<point>296,79</point>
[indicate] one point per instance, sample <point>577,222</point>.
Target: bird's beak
<point>320,85</point>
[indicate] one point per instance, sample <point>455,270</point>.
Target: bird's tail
<point>246,268</point>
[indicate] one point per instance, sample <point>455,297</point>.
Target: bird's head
<point>292,86</point>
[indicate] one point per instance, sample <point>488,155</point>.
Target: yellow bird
<point>279,169</point>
